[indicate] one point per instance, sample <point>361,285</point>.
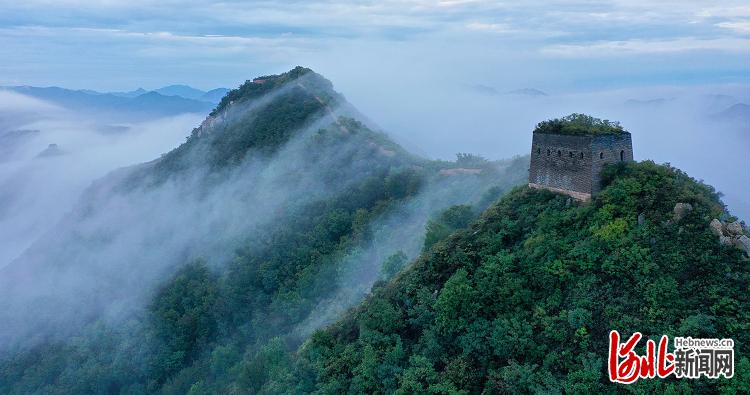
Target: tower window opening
<point>601,155</point>
<point>559,154</point>
<point>581,155</point>
<point>622,156</point>
<point>548,152</point>
<point>570,154</point>
<point>538,151</point>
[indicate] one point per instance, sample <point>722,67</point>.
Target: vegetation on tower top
<point>579,125</point>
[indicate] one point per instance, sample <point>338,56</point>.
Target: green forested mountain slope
<point>228,265</point>
<point>185,273</point>
<point>522,300</point>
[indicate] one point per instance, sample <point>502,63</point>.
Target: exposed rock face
<point>743,243</point>
<point>211,121</point>
<point>681,210</point>
<point>717,228</point>
<point>734,228</point>
<point>731,234</point>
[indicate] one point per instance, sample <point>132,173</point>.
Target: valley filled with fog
<point>50,154</point>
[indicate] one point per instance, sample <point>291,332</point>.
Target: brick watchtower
<point>568,154</point>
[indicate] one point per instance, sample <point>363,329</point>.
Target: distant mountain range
<point>647,102</point>
<point>716,107</point>
<point>718,102</point>
<point>739,112</point>
<point>169,100</point>
<point>491,91</point>
<point>184,91</point>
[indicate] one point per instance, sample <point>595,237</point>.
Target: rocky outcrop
<point>743,242</point>
<point>734,228</point>
<point>211,121</point>
<point>717,228</point>
<point>731,234</point>
<point>681,210</point>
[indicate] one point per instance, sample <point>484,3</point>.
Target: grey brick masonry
<point>573,164</point>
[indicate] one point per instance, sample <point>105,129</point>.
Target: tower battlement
<point>572,164</point>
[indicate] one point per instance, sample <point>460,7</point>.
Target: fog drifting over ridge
<point>38,185</point>
<point>106,257</point>
<point>674,124</point>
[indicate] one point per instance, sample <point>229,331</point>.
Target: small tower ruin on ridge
<point>568,154</point>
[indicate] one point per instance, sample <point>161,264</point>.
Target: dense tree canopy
<point>579,125</point>
<point>523,299</point>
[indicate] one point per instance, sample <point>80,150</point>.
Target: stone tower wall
<point>573,164</point>
<point>608,149</point>
<point>561,163</point>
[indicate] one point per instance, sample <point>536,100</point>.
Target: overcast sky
<point>550,45</point>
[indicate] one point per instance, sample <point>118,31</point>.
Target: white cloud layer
<point>630,47</point>
<point>80,43</point>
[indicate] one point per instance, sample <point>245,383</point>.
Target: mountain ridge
<point>279,204</point>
